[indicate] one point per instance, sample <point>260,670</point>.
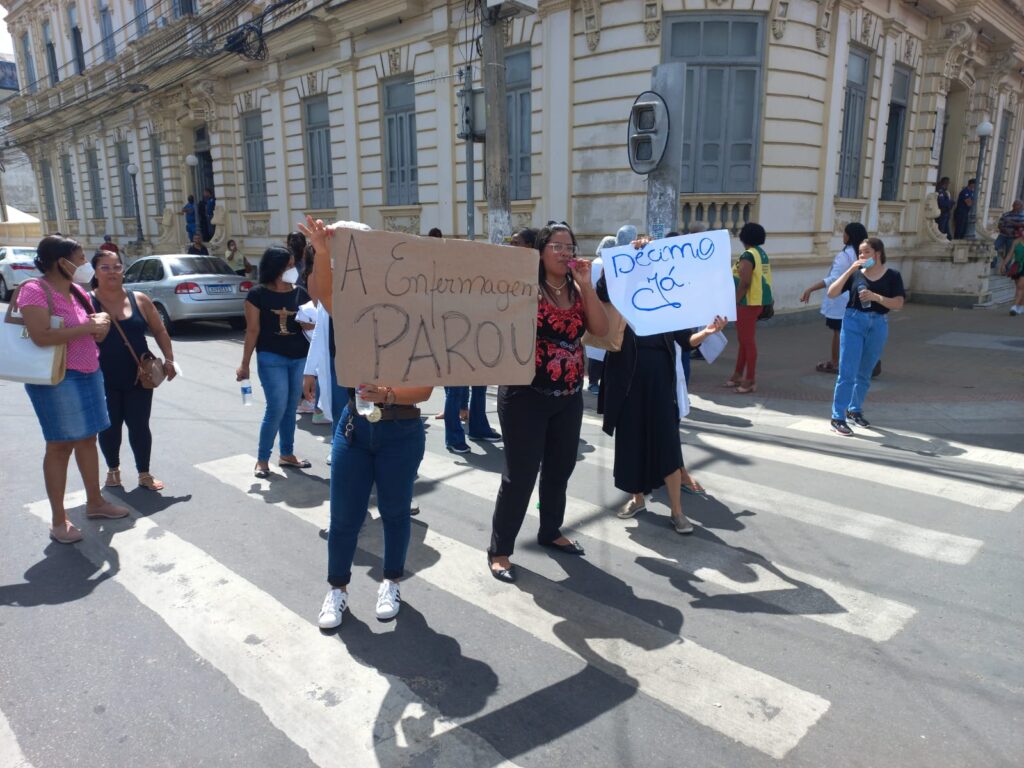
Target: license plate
<point>220,289</point>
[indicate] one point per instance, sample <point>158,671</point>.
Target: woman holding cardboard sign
<point>384,447</point>
<point>541,421</point>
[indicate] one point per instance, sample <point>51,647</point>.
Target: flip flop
<point>826,367</point>
<point>301,464</point>
<point>694,489</point>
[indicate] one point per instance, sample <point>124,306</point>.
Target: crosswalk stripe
<point>850,610</point>
<point>11,755</point>
<point>308,685</point>
<point>923,482</point>
<point>902,537</point>
<point>928,445</point>
<point>745,704</point>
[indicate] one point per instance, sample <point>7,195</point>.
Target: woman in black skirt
<point>640,408</point>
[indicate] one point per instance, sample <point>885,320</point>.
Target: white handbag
<point>20,358</point>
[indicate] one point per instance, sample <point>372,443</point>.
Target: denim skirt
<point>72,410</point>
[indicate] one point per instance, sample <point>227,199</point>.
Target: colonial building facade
<point>801,114</point>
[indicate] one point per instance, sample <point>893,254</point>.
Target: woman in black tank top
<point>128,402</point>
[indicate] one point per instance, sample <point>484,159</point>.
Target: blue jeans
<point>281,378</point>
<point>860,346</point>
<point>386,454</point>
<point>458,398</point>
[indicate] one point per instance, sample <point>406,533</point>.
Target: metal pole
<point>499,212</point>
<point>972,212</point>
<point>467,90</point>
<point>138,213</point>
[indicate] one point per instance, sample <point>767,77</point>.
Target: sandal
<point>113,478</point>
<point>146,480</point>
<point>261,473</point>
<point>732,383</point>
<point>694,488</point>
<point>296,464</point>
<point>746,388</point>
<point>826,367</point>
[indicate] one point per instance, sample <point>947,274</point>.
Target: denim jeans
<point>281,378</point>
<point>860,346</point>
<point>458,398</point>
<point>386,454</point>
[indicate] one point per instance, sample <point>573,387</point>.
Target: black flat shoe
<point>506,575</point>
<point>569,548</point>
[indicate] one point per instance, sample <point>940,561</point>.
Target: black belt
<point>391,412</point>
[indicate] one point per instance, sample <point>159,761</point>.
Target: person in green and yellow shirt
<point>753,277</point>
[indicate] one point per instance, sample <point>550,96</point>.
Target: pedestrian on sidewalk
<point>1009,223</point>
<point>72,412</point>
<point>128,401</point>
<point>945,203</point>
<point>541,421</point>
<point>197,248</point>
<point>109,245</point>
<point>874,291</point>
<point>234,258</point>
<point>272,331</point>
<point>383,449</point>
<point>752,274</point>
<point>964,203</point>
<point>189,209</point>
<point>1013,267</point>
<point>458,401</point>
<point>834,309</point>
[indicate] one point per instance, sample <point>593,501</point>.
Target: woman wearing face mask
<point>234,258</point>
<point>281,348</point>
<point>72,412</point>
<point>874,291</point>
<point>128,402</point>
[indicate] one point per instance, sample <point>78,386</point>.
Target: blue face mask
<point>869,263</point>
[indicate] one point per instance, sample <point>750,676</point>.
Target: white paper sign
<point>712,346</point>
<point>672,284</point>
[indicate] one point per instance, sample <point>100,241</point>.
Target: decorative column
<point>444,106</point>
<point>281,213</point>
<point>557,117</point>
<point>350,129</point>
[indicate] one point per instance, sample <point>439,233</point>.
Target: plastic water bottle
<point>363,407</point>
<point>246,392</point>
<point>864,302</point>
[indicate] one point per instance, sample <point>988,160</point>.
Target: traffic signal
<point>648,132</point>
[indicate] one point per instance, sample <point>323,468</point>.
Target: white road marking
<point>745,704</point>
<point>327,702</point>
<point>11,755</point>
<point>858,612</point>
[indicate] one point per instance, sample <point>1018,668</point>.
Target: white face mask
<point>82,274</point>
<point>291,275</point>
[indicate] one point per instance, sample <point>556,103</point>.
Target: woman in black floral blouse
<point>541,421</point>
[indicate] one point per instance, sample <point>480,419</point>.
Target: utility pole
<point>499,214</point>
<point>466,119</point>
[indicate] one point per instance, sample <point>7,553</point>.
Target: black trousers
<point>541,433</point>
<point>131,407</point>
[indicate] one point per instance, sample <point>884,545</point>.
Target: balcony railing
<point>716,211</point>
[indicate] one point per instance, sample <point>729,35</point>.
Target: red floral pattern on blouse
<point>560,359</point>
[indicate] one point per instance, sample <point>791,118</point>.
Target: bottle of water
<point>246,392</point>
<point>862,286</point>
<point>363,407</point>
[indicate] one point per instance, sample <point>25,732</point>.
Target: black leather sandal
<point>506,575</point>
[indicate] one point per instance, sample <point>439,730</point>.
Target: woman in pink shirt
<point>74,411</point>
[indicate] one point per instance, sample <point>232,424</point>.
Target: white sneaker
<point>389,600</point>
<point>334,605</point>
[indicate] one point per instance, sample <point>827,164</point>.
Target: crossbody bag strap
<point>120,330</point>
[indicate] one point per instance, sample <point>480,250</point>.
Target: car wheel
<point>169,324</point>
<point>237,323</point>
<point>5,295</point>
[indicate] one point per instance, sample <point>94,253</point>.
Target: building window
<point>999,169</point>
<point>896,132</point>
<point>107,30</point>
<point>141,17</point>
<point>124,178</point>
<point>319,176</point>
<point>518,82</point>
<point>92,164</point>
<point>49,200</point>
<point>69,187</point>
<point>184,8</point>
<point>721,124</point>
<point>158,173</point>
<point>76,40</point>
<point>51,53</point>
<point>30,63</point>
<point>255,163</point>
<point>400,170</point>
<point>851,153</point>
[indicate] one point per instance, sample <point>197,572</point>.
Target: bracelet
<point>389,396</point>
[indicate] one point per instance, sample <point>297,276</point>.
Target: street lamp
<point>192,161</point>
<point>133,171</point>
<point>983,131</point>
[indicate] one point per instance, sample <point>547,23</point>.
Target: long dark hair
<point>856,233</point>
<point>52,249</point>
<point>543,238</point>
<point>877,245</point>
<point>94,283</point>
<point>307,263</point>
<point>273,264</point>
<point>297,245</point>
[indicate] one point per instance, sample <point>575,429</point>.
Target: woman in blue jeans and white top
<point>383,449</point>
<point>874,291</point>
<point>281,348</point>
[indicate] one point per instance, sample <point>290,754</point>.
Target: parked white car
<point>17,264</point>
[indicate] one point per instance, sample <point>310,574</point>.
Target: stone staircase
<point>1001,291</point>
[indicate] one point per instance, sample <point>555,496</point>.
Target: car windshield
<point>199,265</point>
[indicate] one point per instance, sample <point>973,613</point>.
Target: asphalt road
<point>843,602</point>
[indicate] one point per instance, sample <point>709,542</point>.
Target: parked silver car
<point>17,264</point>
<point>184,288</point>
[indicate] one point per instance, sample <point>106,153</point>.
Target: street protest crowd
<point>102,381</point>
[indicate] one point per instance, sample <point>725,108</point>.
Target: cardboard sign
<point>422,311</point>
<point>672,284</point>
